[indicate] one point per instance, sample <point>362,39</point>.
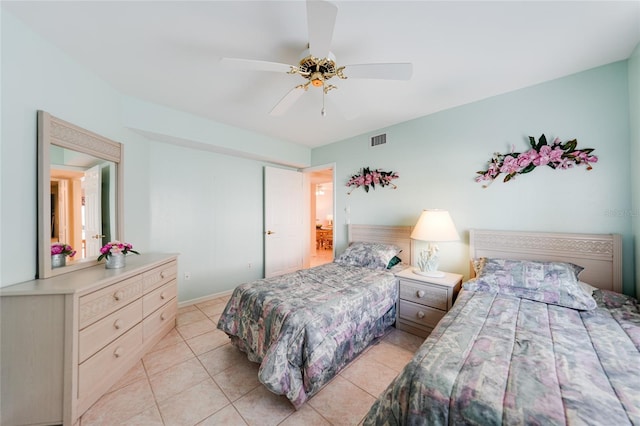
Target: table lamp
<point>330,219</point>
<point>433,226</point>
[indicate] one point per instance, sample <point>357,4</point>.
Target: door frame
<point>306,172</point>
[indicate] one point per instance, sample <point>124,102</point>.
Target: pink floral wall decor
<point>368,178</point>
<point>556,155</point>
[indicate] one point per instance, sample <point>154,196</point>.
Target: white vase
<point>115,261</point>
<point>58,260</point>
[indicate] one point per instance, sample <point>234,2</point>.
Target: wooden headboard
<point>599,254</point>
<point>398,235</point>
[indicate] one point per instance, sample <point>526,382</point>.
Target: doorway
<point>322,201</point>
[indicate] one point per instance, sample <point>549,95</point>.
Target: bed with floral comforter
<point>522,352</point>
<point>304,327</point>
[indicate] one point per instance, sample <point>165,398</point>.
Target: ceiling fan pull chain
<point>317,64</point>
<point>323,112</point>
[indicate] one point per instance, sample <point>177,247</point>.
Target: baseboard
<point>204,298</point>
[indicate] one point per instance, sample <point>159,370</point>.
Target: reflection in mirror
<point>79,193</point>
<point>82,201</point>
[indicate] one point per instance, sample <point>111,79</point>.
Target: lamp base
<point>432,274</point>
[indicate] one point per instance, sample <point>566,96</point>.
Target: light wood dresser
<point>66,340</point>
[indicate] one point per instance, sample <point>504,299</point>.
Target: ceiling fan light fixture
<point>317,80</point>
<point>317,64</point>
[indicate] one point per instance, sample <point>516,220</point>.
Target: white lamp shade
<point>435,225</point>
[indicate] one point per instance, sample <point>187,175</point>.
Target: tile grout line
<point>155,400</point>
<point>231,403</point>
<point>184,340</point>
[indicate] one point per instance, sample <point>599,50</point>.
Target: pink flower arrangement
<point>61,248</point>
<point>115,247</point>
<point>370,178</point>
<point>557,156</point>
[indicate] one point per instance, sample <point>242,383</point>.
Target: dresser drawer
<point>160,275</point>
<point>163,319</point>
<point>109,328</point>
<point>425,294</point>
<point>101,303</point>
<point>420,314</point>
<point>114,360</point>
<point>158,297</point>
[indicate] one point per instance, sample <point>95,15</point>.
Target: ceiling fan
<point>318,64</point>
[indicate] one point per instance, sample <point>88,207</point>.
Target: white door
<point>283,220</point>
<point>62,219</point>
<point>92,211</point>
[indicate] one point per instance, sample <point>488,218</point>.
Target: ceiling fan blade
<point>399,71</point>
<point>321,18</point>
<point>288,100</point>
<point>255,65</point>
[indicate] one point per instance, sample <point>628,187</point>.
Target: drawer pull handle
<point>118,295</point>
<point>162,274</point>
<point>420,293</point>
<point>162,295</point>
<point>118,352</point>
<point>162,316</point>
<point>420,314</point>
<point>118,324</point>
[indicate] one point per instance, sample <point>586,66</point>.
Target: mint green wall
<point>437,156</point>
<point>207,207</point>
<point>177,127</point>
<point>37,76</point>
<point>634,114</point>
<point>183,194</point>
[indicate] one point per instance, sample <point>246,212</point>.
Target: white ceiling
<point>168,53</point>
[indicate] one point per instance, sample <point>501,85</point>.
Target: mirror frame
<point>54,131</point>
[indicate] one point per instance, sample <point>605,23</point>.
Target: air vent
<point>378,140</point>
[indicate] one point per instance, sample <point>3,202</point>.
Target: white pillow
<point>368,255</point>
<point>588,288</point>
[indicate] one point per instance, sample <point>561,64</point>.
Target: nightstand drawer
<point>420,314</point>
<point>425,294</point>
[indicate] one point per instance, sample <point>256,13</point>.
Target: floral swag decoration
<point>557,156</point>
<point>368,178</point>
<point>115,247</point>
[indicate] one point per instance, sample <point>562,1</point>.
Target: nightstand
<point>424,300</point>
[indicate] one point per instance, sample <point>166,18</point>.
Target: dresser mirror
<point>80,187</point>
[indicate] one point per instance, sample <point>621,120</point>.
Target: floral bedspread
<point>303,327</point>
<point>496,359</point>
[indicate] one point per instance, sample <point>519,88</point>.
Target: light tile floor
<point>321,257</point>
<point>194,376</point>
